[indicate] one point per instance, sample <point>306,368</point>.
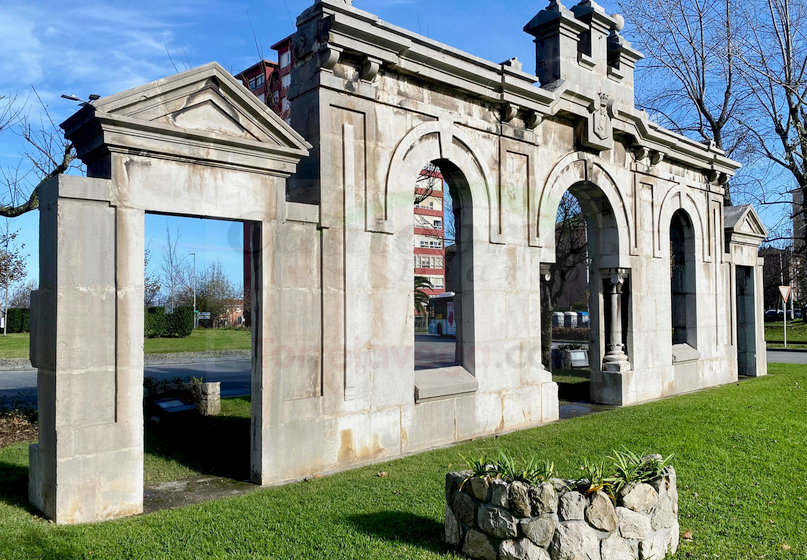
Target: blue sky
<point>105,47</point>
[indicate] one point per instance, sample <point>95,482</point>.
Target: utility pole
<point>195,313</point>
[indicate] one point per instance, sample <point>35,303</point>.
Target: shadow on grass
<point>212,445</point>
<point>14,486</point>
<point>404,527</point>
<point>573,385</point>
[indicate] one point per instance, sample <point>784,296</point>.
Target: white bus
<point>441,315</point>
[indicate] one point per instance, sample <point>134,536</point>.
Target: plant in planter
<point>621,508</point>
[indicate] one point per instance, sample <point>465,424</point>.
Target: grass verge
<point>739,452</point>
<point>201,340</point>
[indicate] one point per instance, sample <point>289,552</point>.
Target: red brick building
<point>429,250</point>
<point>285,63</point>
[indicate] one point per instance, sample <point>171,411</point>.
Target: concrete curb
<point>795,350</point>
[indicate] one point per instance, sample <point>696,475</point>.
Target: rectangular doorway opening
<point>746,322</point>
<point>199,351</point>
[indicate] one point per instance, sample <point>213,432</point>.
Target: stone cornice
<point>363,34</point>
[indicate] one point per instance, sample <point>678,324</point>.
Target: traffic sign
<point>204,314</point>
<point>785,291</point>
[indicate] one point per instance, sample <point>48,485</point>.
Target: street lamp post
<point>195,314</point>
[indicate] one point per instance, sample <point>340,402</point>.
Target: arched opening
<point>444,354</point>
<point>682,280</point>
<point>585,296</point>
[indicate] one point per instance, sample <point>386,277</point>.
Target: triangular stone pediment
<point>744,220</point>
<point>204,101</point>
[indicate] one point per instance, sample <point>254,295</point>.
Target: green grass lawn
<point>739,451</point>
<point>201,340</point>
<point>14,346</point>
<point>796,333</point>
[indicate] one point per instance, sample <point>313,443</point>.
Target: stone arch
<point>576,170</point>
<point>431,142</point>
<point>676,200</point>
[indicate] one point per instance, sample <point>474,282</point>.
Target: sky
<point>102,48</point>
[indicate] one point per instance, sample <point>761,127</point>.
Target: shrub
<point>155,325</point>
<point>180,322</point>
<point>564,333</point>
<point>19,320</point>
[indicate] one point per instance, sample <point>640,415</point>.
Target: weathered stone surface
<point>452,528</point>
<point>464,508</point>
<point>496,522</point>
<point>672,537</point>
<point>574,540</point>
<point>521,549</point>
<point>572,506</point>
<point>520,499</point>
<point>639,497</point>
<point>615,548</point>
<point>543,498</point>
<point>654,548</point>
<point>600,512</point>
<point>479,488</point>
<point>540,529</point>
<point>663,515</point>
<point>453,482</point>
<point>632,525</point>
<point>478,546</point>
<point>499,490</point>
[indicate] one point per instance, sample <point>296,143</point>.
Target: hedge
<point>19,320</point>
<point>180,322</point>
<point>155,322</point>
<point>177,324</point>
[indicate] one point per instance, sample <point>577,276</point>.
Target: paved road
<point>234,374</point>
<point>784,357</point>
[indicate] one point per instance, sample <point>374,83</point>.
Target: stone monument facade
<point>328,203</point>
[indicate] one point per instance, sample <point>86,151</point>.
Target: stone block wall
<point>490,519</point>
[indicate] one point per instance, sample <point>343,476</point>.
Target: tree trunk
<point>5,313</point>
<point>546,325</point>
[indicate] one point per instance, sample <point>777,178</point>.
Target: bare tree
<point>151,281</point>
<point>773,67</point>
<point>690,78</point>
<point>571,253</point>
<point>20,297</point>
<point>47,154</point>
<point>12,266</point>
<point>172,266</point>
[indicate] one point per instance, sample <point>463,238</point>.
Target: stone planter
<point>490,519</point>
<point>207,395</point>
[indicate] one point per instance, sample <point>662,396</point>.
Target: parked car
<point>777,315</point>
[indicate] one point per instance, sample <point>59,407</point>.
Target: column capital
<point>616,276</point>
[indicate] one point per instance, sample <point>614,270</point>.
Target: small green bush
<point>180,323</point>
<point>155,325</point>
<point>19,320</point>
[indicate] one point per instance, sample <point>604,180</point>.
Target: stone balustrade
<point>490,519</point>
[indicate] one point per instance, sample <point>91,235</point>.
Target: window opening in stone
<point>565,327</point>
<point>682,280</point>
<point>435,316</point>
<point>197,366</point>
<point>585,299</point>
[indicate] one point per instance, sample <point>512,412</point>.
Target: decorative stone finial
<point>619,22</point>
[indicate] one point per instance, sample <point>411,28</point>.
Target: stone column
<point>87,344</point>
<point>615,349</point>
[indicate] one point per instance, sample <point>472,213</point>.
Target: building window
<point>285,82</point>
<point>256,82</point>
<point>438,224</point>
<point>437,281</point>
<point>286,104</point>
<point>285,59</point>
